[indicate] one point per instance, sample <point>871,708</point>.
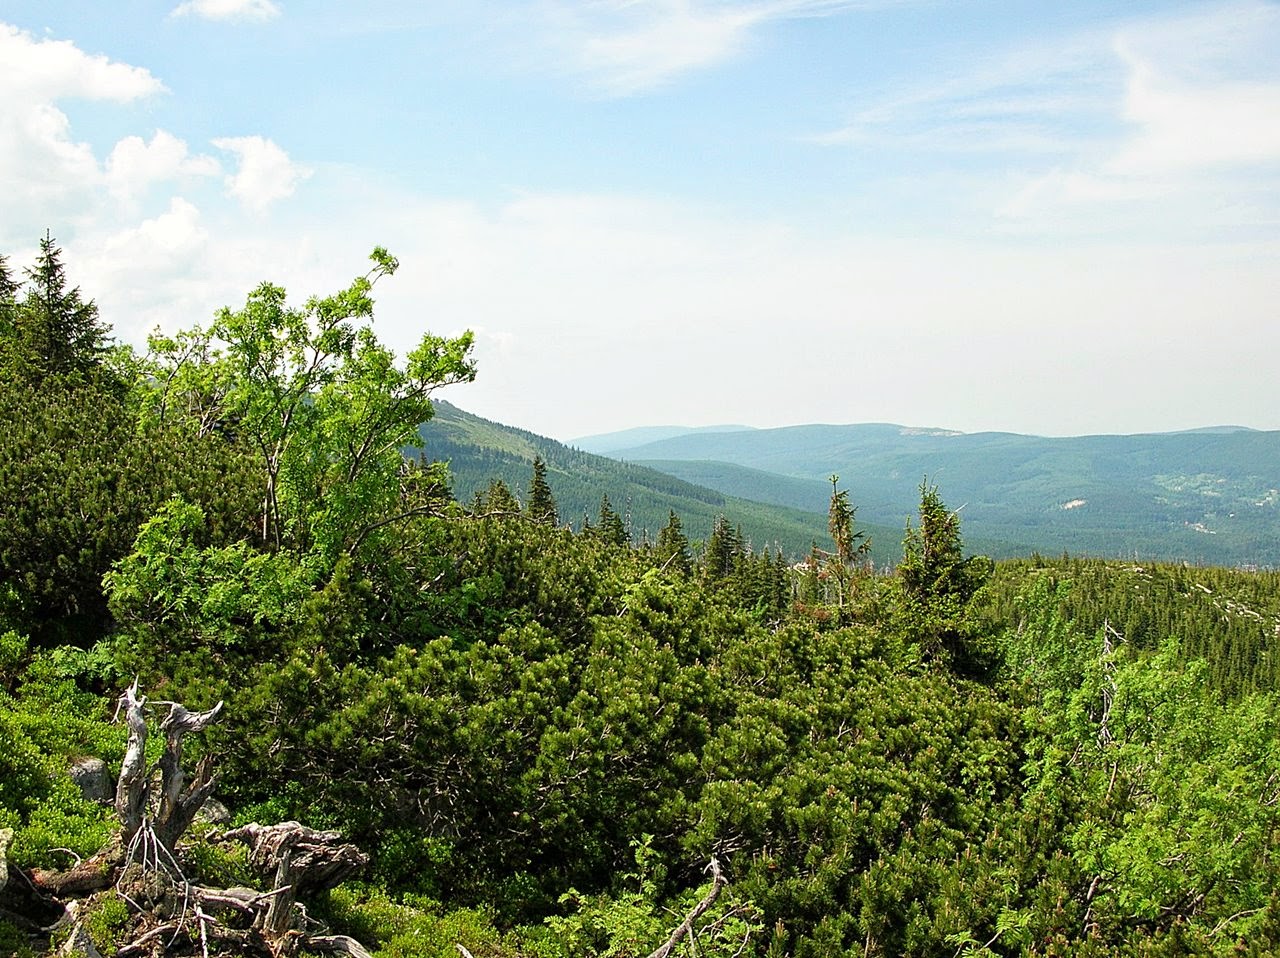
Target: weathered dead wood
<point>300,859</point>
<point>337,944</point>
<point>131,787</point>
<point>179,805</point>
<point>178,802</point>
<point>6,836</point>
<point>79,944</point>
<point>718,881</point>
<point>89,876</point>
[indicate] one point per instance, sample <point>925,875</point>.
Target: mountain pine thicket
<point>525,740</point>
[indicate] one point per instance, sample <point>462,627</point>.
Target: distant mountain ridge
<point>1208,495</point>
<point>626,438</point>
<point>479,451</point>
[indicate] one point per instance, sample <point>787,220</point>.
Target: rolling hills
<point>1207,496</point>
<point>479,451</point>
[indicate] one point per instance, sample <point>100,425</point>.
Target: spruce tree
<point>612,529</point>
<point>850,543</point>
<point>673,546</point>
<point>8,301</point>
<point>53,329</point>
<point>938,584</point>
<point>723,548</point>
<point>542,504</point>
<point>496,499</point>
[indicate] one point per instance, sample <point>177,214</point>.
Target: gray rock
<point>214,812</point>
<point>94,780</point>
<point>6,836</point>
<point>79,945</point>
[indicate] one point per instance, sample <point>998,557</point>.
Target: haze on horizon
<point>981,215</point>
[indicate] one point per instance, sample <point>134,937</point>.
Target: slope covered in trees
<point>535,741</point>
<point>479,451</point>
<point>1210,497</point>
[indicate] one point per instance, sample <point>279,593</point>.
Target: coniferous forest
<point>230,573</point>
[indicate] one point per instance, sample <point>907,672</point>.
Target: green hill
<point>1207,496</point>
<point>479,451</point>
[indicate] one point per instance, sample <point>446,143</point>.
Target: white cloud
<point>1195,147</point>
<point>255,10</point>
<point>136,164</point>
<point>1147,127</point>
<point>626,47</point>
<point>46,175</point>
<point>150,274</point>
<point>46,70</point>
<point>1186,126</point>
<point>266,173</point>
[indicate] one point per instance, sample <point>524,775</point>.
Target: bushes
<point>48,724</point>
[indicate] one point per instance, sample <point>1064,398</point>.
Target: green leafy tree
<point>541,506</point>
<point>325,407</point>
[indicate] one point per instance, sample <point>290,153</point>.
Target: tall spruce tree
<point>723,549</point>
<point>938,584</point>
<point>8,300</point>
<point>542,504</point>
<point>673,546</point>
<point>612,528</point>
<point>52,330</point>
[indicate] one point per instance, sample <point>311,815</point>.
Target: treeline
<point>542,735</point>
<point>1228,618</point>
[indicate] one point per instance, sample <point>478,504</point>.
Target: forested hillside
<point>479,452</point>
<point>1206,496</point>
<point>442,726</point>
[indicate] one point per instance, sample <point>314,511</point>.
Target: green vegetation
<point>479,451</point>
<point>1201,497</point>
<point>544,736</point>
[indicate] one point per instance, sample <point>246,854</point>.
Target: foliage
<point>541,506</point>
<point>540,735</point>
<point>630,923</point>
<point>105,922</point>
<point>322,404</point>
<point>938,585</point>
<point>51,331</point>
<point>174,595</point>
<point>672,547</point>
<point>77,478</point>
<point>45,725</point>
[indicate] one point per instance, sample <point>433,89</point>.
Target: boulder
<point>214,812</point>
<point>91,775</point>
<point>6,836</point>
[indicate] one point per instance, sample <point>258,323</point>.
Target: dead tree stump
<point>299,859</point>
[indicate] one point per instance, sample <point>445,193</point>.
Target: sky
<point>1058,219</point>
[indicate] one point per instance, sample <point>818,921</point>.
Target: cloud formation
<point>266,173</point>
<point>1134,128</point>
<point>46,173</point>
<point>625,47</point>
<point>229,10</point>
<point>135,164</point>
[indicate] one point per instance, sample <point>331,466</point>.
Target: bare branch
<point>718,881</point>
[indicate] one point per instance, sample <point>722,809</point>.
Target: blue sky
<point>1049,218</point>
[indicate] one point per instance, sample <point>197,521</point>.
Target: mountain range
<point>1207,496</point>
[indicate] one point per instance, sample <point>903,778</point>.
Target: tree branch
<point>718,881</point>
